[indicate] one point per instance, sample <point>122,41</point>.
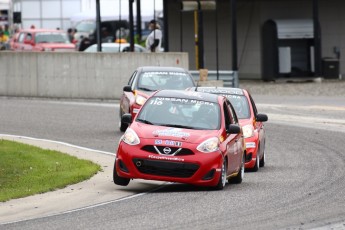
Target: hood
<point>175,134</point>
<point>244,122</point>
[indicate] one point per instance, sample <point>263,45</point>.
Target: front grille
<point>182,152</point>
<point>164,168</point>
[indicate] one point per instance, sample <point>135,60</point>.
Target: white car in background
<point>115,48</point>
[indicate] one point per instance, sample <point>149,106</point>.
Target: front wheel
<point>119,180</point>
<point>222,178</point>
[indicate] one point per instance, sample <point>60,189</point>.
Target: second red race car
<point>250,120</point>
<point>182,136</point>
<point>148,79</point>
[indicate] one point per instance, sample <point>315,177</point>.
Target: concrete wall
<point>75,75</point>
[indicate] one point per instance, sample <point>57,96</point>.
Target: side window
<point>233,118</point>
<point>253,105</point>
<point>28,37</point>
<point>131,79</point>
<point>226,115</point>
<point>21,37</point>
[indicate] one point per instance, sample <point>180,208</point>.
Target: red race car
<point>250,120</point>
<point>182,136</point>
<point>146,80</point>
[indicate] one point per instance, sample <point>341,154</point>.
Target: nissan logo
<point>167,150</point>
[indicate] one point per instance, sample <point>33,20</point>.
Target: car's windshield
<point>155,80</point>
<point>86,26</point>
<point>240,104</point>
<point>180,113</point>
<point>51,37</point>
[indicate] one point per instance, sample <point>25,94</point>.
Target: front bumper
<point>197,168</point>
<point>251,151</point>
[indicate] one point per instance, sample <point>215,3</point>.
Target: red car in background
<point>250,120</point>
<point>42,40</point>
<point>182,136</point>
<point>148,79</point>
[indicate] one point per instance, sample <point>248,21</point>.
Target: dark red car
<point>148,79</point>
<point>250,120</point>
<point>182,136</point>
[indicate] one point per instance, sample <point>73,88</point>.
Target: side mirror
<point>126,118</point>
<point>261,117</point>
<point>127,88</point>
<point>233,129</point>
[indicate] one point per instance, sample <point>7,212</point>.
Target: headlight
<point>208,146</point>
<point>248,131</point>
<point>140,100</point>
<point>130,137</point>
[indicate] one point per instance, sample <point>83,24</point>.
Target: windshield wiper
<point>145,121</point>
<point>146,89</point>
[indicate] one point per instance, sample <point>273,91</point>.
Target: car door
<point>128,97</point>
<point>19,43</point>
<point>233,141</point>
<point>28,43</point>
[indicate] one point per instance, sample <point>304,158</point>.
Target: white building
<point>51,14</point>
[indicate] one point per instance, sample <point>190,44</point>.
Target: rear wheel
<point>257,164</point>
<point>119,180</point>
<point>239,177</point>
<point>262,161</point>
<point>222,178</point>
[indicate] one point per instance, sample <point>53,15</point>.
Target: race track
<point>302,185</point>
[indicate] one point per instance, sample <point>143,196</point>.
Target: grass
<point>27,170</point>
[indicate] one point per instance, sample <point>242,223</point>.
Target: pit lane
<point>302,185</point>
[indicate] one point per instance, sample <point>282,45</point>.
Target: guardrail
<point>229,77</point>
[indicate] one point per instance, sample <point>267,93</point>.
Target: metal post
<point>317,39</point>
<point>98,26</point>
<point>165,32</point>
<point>234,35</point>
<point>139,20</point>
<point>131,25</point>
<point>217,54</point>
<point>200,37</point>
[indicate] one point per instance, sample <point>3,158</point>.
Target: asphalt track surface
<point>302,185</point>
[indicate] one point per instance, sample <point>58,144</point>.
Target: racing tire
<point>122,126</point>
<point>119,180</point>
<point>262,161</point>
<point>222,178</point>
<point>239,177</point>
<point>257,164</point>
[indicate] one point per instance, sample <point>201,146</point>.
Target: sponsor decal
<point>170,132</point>
<point>222,91</point>
<point>153,73</point>
<point>158,142</point>
<point>165,158</point>
<point>168,142</point>
<point>135,110</point>
<point>159,101</point>
<point>250,145</point>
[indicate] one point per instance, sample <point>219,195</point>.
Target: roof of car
<point>161,68</point>
<point>219,90</point>
<point>41,30</point>
<point>200,96</point>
